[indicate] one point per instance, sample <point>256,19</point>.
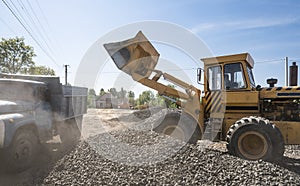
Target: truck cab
<point>24,103</point>
<point>34,109</point>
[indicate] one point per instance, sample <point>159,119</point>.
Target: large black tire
<point>70,133</point>
<point>255,138</point>
<point>22,152</point>
<point>182,127</point>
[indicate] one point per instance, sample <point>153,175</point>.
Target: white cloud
<point>243,24</point>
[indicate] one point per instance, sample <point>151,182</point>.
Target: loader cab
<point>229,88</point>
<point>229,73</point>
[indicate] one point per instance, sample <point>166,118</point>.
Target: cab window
<point>214,77</point>
<point>250,74</point>
<point>234,76</point>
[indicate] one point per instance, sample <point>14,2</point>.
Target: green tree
<point>102,92</point>
<point>113,92</point>
<point>159,101</point>
<point>40,70</point>
<point>15,56</point>
<point>92,92</point>
<point>146,97</point>
<point>131,96</point>
<point>122,93</point>
<point>169,103</point>
<point>91,98</point>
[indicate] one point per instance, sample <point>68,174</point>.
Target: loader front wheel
<point>255,138</point>
<point>252,144</point>
<point>180,126</point>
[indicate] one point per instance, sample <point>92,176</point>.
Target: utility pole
<point>286,71</point>
<point>66,74</point>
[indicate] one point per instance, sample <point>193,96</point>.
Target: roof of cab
<point>5,80</point>
<point>229,58</point>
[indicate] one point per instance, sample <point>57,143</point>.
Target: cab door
<point>213,92</point>
<point>239,97</point>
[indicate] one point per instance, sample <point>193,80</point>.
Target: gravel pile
<point>132,157</point>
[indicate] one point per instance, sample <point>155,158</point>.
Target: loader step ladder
<point>213,129</point>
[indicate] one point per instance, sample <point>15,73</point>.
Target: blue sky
<point>268,30</point>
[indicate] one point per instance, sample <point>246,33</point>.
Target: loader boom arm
<point>137,57</point>
<point>167,90</point>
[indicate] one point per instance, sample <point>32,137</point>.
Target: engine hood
<point>8,107</point>
<point>280,92</point>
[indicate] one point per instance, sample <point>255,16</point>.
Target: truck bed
<point>66,101</point>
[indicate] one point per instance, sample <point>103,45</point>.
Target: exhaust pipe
<point>294,74</point>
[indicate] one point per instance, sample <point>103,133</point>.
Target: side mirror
<point>199,75</point>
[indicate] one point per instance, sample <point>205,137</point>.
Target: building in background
<point>107,101</point>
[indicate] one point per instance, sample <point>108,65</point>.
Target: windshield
<point>251,77</point>
<point>234,76</point>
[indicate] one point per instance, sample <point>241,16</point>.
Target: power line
<point>43,15</point>
<point>269,61</point>
<point>23,7</point>
<point>165,70</point>
<point>7,26</point>
<point>27,30</point>
<point>295,59</point>
<point>45,20</point>
<point>43,31</point>
<point>18,12</point>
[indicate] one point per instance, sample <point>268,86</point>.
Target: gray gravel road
<point>117,149</point>
<point>192,164</point>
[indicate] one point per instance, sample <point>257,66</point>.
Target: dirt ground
<point>96,121</point>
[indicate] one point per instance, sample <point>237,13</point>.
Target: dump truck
<point>34,109</point>
<point>255,122</point>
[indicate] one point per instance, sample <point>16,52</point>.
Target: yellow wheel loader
<point>256,122</point>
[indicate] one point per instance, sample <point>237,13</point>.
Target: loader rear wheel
<point>182,127</point>
<point>255,138</point>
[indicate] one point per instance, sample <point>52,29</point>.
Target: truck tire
<point>182,127</point>
<point>69,133</point>
<point>255,138</point>
<point>22,152</point>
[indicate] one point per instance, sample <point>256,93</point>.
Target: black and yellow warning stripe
<point>295,88</point>
<point>280,92</point>
<point>213,102</point>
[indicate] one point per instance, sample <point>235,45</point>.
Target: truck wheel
<point>22,151</point>
<point>255,138</point>
<point>69,133</point>
<point>182,127</point>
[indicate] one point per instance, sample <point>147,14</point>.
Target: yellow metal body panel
<point>280,92</point>
<point>241,98</point>
<point>229,58</point>
<point>290,131</point>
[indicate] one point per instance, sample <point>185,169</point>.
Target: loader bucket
<point>136,57</point>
